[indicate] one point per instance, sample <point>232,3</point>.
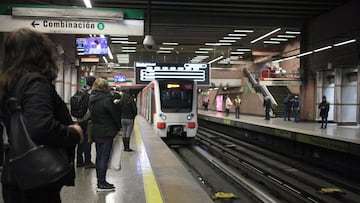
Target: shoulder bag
<point>33,165</point>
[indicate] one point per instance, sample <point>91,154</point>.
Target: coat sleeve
<point>39,109</point>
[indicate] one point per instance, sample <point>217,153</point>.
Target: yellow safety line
<point>152,192</point>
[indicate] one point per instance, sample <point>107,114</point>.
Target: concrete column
<point>319,91</point>
<point>67,83</point>
<point>337,104</point>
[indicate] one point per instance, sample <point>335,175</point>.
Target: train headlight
<point>190,116</point>
<point>163,117</point>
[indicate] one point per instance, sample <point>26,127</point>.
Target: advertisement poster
<point>219,103</point>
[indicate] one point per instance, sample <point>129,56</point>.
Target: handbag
<point>33,165</point>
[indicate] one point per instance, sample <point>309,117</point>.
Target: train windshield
<point>176,96</point>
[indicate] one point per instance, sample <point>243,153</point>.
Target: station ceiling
<point>192,24</point>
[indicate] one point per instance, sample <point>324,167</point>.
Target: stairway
<point>279,93</point>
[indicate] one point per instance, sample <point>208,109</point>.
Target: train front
<point>177,113</point>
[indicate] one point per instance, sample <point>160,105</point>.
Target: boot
<point>127,144</point>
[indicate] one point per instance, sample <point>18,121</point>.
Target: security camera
<point>149,42</point>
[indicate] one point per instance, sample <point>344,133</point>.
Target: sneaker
<point>105,187</point>
<point>89,165</point>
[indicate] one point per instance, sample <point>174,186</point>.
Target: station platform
<point>150,174</point>
<point>338,138</point>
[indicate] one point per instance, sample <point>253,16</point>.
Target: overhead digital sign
<point>147,72</point>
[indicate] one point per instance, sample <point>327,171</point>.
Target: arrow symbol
<point>33,24</point>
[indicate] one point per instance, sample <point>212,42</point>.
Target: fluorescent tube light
<point>237,35</point>
<point>279,39</point>
<point>216,59</point>
<point>271,42</point>
<point>346,42</point>
<point>237,52</point>
<point>201,52</point>
<point>119,38</point>
<point>128,47</point>
<point>243,30</point>
<point>235,38</point>
<point>110,54</point>
<point>206,49</point>
<point>243,49</point>
<point>286,36</point>
<point>292,32</point>
<point>166,48</point>
<point>164,52</point>
<point>104,58</point>
<point>170,43</point>
<point>227,41</point>
<point>268,34</point>
<point>304,54</point>
<point>87,3</point>
<point>322,49</point>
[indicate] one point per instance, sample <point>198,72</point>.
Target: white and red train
<point>170,106</point>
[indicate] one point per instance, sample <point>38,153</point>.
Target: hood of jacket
<point>97,95</point>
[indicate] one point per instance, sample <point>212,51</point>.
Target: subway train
<point>170,106</point>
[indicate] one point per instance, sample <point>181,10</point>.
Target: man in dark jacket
<point>324,108</point>
<point>83,152</point>
<point>105,125</point>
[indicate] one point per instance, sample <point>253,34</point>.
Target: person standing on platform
<point>105,126</point>
<point>296,105</point>
<point>32,56</point>
<point>267,107</point>
<point>237,103</point>
<point>324,108</point>
<point>288,103</point>
<point>128,113</point>
<point>206,104</point>
<point>83,152</point>
<point>228,105</point>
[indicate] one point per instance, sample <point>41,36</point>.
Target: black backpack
<point>79,103</point>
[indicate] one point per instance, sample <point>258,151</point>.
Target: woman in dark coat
<point>128,113</point>
<point>324,108</point>
<point>105,125</point>
<point>29,56</point>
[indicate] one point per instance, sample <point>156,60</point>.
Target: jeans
<point>324,120</point>
<point>297,115</point>
<point>103,150</point>
<point>287,114</point>
<point>127,126</point>
<point>237,112</point>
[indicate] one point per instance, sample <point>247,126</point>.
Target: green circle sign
<point>100,26</point>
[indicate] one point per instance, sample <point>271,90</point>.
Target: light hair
<point>101,85</point>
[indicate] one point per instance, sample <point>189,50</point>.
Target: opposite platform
<point>339,138</point>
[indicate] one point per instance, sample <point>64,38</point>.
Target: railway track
<point>257,175</point>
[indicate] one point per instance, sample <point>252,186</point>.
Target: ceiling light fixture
<point>271,42</point>
<point>164,52</point>
<point>206,49</point>
<point>304,54</point>
<point>201,52</point>
<point>166,48</point>
<point>237,35</point>
<point>243,30</point>
<point>279,39</point>
<point>322,49</point>
<point>286,36</point>
<point>227,41</point>
<point>235,38</point>
<point>87,3</point>
<point>170,43</point>
<point>292,32</point>
<point>345,42</point>
<point>268,34</point>
<point>216,59</point>
<point>243,49</point>
<point>105,60</point>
